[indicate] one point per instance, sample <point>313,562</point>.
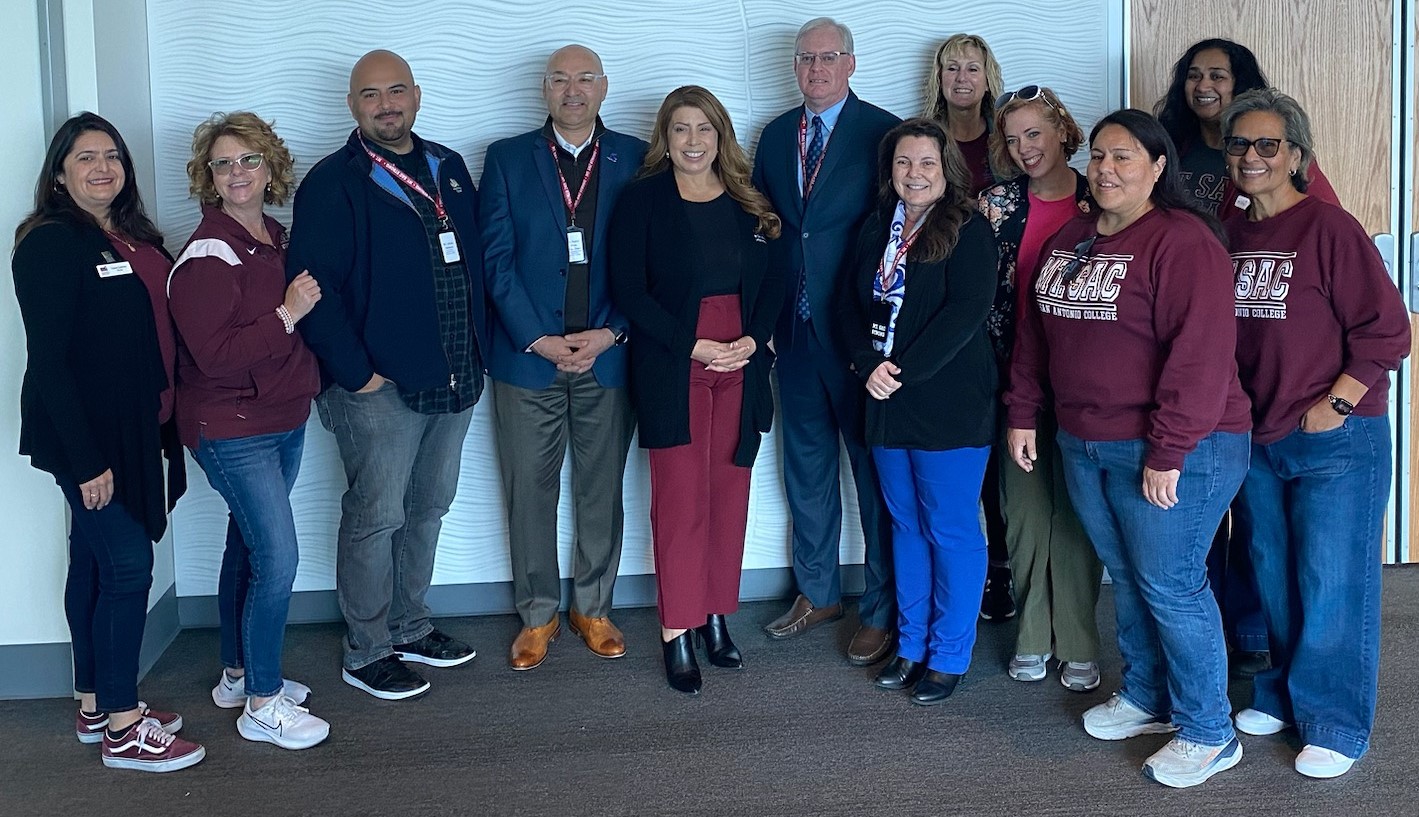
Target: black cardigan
<point>649,237</point>
<point>95,375</point>
<point>947,399</point>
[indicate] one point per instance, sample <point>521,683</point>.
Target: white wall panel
<point>479,65</point>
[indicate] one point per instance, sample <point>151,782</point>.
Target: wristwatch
<point>621,336</point>
<point>1342,406</point>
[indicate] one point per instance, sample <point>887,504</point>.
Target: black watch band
<point>1342,406</point>
<point>621,336</point>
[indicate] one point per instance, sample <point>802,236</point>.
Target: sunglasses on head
<point>1027,94</point>
<point>1265,147</point>
<point>1081,257</point>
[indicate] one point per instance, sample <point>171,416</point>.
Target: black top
<point>95,374</point>
<point>718,259</point>
<point>948,376</point>
<point>577,306</point>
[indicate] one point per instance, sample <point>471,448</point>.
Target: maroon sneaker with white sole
<point>146,747</point>
<point>89,728</point>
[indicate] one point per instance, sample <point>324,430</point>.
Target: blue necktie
<point>815,154</point>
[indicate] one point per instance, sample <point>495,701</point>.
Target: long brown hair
<point>730,163</point>
<point>52,201</point>
<point>938,234</point>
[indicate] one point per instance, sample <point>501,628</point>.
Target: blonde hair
<point>956,46</point>
<point>252,131</point>
<point>1053,112</point>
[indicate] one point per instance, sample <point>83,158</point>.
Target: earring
<point>1293,171</point>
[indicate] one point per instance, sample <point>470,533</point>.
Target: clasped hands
<point>576,352</point>
<point>718,356</point>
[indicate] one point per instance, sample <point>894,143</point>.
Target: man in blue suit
<point>818,165</point>
<point>556,355</point>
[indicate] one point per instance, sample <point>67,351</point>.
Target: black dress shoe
<point>718,645</point>
<point>682,673</point>
<point>935,688</point>
<point>900,673</point>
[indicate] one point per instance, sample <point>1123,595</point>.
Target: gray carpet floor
<point>798,732</point>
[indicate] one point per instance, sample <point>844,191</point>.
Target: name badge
<point>576,245</point>
<point>114,270</point>
<point>449,243</point>
<point>879,317</point>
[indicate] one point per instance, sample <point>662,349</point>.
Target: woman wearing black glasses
<point>1133,338</point>
<point>1056,571</point>
<point>1319,328</point>
<point>244,385</point>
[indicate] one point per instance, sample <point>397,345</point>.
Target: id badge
<point>879,318</point>
<point>114,270</point>
<point>449,243</point>
<point>576,245</point>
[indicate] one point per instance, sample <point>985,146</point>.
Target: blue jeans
<point>938,550</point>
<point>402,469</point>
<point>1318,503</point>
<point>255,476</point>
<point>1169,627</point>
<point>106,599</point>
<point>1233,579</point>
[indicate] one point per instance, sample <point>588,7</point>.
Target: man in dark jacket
<point>388,226</point>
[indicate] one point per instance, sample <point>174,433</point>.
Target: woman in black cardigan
<point>913,321</point>
<point>689,270</point>
<point>96,406</point>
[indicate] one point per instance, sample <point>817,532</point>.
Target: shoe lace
<point>1186,748</point>
<point>152,732</point>
<point>287,710</point>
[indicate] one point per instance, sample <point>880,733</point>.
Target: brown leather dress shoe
<point>870,645</point>
<point>601,636</point>
<point>801,617</point>
<point>529,649</point>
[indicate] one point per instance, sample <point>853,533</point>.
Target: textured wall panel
<point>479,65</point>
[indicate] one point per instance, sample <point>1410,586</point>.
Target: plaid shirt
<point>451,298</point>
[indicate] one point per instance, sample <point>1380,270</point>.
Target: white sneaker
<point>1182,763</point>
<point>1315,761</point>
<point>1025,667</point>
<point>230,693</point>
<point>1256,722</point>
<point>283,723</point>
<point>1116,719</point>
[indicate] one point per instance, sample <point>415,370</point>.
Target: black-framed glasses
<point>827,58</point>
<point>1029,93</point>
<point>1081,257</point>
<point>1266,147</point>
<point>248,162</point>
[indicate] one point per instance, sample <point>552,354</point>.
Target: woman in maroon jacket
<point>1133,332</point>
<point>1319,328</point>
<point>244,386</point>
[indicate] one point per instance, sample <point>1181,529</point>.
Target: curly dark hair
<point>1173,111</point>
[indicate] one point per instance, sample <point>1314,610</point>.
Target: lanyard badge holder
<point>576,236</point>
<point>448,239</point>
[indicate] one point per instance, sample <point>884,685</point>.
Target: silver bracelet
<point>285,315</point>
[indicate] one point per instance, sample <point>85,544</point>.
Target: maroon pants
<point>699,499</point>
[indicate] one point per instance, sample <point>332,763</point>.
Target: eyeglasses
<point>1027,94</point>
<point>827,58</point>
<point>1081,257</point>
<point>1265,146</point>
<point>558,81</point>
<point>248,162</point>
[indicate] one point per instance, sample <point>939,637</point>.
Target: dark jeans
<point>255,476</point>
<point>106,599</point>
<point>1233,579</point>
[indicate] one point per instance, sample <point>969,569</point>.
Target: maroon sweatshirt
<point>1313,301</point>
<point>238,373</point>
<point>1142,343</point>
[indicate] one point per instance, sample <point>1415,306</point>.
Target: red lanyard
<point>408,181</point>
<point>809,178</point>
<point>572,203</point>
<point>884,275</point>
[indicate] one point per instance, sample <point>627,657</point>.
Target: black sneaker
<point>387,678</point>
<point>997,603</point>
<point>436,650</point>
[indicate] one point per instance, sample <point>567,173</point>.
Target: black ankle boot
<point>935,688</point>
<point>682,673</point>
<point>718,645</point>
<point>901,673</point>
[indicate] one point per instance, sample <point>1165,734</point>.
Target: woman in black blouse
<point>689,269</point>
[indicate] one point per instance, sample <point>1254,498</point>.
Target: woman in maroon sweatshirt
<point>1132,332</point>
<point>1319,328</point>
<point>244,387</point>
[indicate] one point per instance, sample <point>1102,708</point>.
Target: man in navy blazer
<point>556,354</point>
<point>817,163</point>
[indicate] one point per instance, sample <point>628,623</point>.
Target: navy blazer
<point>523,219</point>
<point>818,240</point>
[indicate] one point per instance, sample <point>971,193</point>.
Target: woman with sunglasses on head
<point>1056,572</point>
<point>1133,340</point>
<point>95,412</point>
<point>1320,326</point>
<point>245,384</point>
